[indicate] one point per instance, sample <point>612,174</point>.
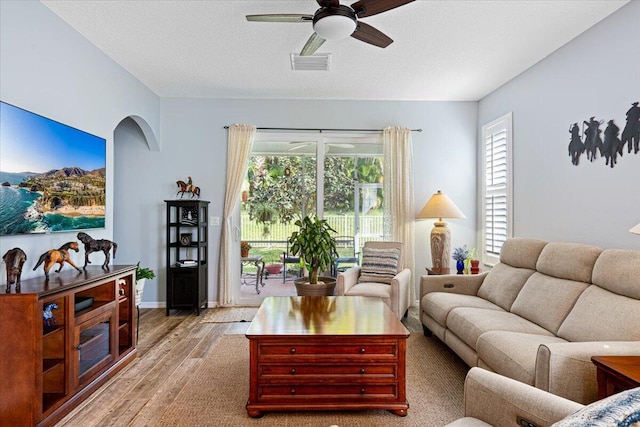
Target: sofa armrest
<point>400,285</point>
<point>499,401</point>
<point>347,279</point>
<point>467,284</point>
<point>565,369</point>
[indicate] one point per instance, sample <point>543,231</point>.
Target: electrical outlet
<point>214,220</point>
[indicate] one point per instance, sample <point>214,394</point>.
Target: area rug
<point>218,390</point>
<point>229,314</point>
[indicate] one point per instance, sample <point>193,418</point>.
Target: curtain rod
<point>327,130</point>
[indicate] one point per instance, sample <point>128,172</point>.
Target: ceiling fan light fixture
<point>334,23</point>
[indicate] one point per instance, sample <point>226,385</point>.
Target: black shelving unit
<point>187,254</point>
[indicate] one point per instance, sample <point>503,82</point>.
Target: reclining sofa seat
<point>541,313</point>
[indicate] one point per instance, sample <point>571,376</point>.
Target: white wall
<point>596,74</point>
<point>195,144</point>
<point>48,68</point>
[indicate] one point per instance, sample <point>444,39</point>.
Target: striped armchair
<point>381,275</point>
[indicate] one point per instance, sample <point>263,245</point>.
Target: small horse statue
<point>91,245</point>
<point>14,258</point>
<point>47,315</point>
<point>57,256</point>
<point>188,187</point>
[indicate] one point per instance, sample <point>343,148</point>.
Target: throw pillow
<point>379,265</point>
<point>622,410</point>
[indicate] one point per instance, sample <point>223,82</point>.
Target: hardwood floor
<point>169,350</point>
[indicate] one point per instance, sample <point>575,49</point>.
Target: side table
<point>259,263</point>
<point>436,271</point>
<point>616,374</point>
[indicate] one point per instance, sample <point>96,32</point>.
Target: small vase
<point>460,266</point>
<point>475,263</point>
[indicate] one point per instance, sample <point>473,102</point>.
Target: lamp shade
<point>635,229</point>
<point>440,206</point>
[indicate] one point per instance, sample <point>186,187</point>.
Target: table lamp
<point>635,229</point>
<point>440,206</point>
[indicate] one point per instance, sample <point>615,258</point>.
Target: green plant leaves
<point>315,245</point>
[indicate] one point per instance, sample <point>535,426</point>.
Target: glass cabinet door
<point>94,346</point>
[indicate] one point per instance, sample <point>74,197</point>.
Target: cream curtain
<point>239,146</point>
<point>398,193</point>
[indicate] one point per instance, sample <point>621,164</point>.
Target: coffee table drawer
<point>278,351</point>
<point>353,371</point>
<point>293,392</point>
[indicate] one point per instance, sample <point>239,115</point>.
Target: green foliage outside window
<point>283,188</point>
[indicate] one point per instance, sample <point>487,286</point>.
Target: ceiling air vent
<point>319,62</point>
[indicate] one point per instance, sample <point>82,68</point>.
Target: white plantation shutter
<point>496,194</point>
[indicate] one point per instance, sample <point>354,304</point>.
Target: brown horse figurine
<point>188,187</point>
<point>14,258</point>
<point>91,245</point>
<point>57,256</point>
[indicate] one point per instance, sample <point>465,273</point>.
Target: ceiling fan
<point>334,21</point>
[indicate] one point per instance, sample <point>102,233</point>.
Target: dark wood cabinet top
<point>325,316</point>
<point>66,279</point>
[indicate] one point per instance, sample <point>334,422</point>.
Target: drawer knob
<point>362,371</point>
<point>293,391</point>
<point>293,371</point>
<point>361,391</point>
<point>292,351</point>
<point>362,350</point>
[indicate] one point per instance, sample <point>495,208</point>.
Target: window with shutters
<point>496,189</point>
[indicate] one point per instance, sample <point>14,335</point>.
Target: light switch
<point>214,220</point>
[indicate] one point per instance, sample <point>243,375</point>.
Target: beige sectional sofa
<point>541,313</point>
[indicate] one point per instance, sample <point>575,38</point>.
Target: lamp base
<point>440,246</point>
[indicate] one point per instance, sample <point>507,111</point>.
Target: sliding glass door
<point>293,175</point>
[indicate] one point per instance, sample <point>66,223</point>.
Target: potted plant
<point>244,248</point>
<point>142,274</point>
<point>316,247</point>
<point>264,213</point>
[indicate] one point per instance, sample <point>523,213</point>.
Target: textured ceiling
<point>442,50</point>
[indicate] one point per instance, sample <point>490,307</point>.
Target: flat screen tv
<point>52,176</point>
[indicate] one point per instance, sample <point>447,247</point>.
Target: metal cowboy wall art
<point>591,143</point>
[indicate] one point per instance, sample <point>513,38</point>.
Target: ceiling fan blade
<point>314,42</point>
<point>328,3</point>
<point>368,34</point>
<point>345,146</point>
<point>365,8</point>
<point>298,146</point>
<point>281,17</point>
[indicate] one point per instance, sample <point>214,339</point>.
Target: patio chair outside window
<point>287,258</point>
<point>346,259</point>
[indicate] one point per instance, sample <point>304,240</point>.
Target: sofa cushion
<point>600,315</point>
<point>378,290</point>
<point>618,271</point>
<point>379,265</point>
<point>503,283</point>
<point>521,252</point>
<point>547,300</point>
<point>571,261</point>
<point>469,323</point>
<point>439,304</point>
<point>622,409</point>
<point>512,354</point>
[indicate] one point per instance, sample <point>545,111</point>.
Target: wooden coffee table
<point>326,353</point>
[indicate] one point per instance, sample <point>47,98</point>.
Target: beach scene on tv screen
<point>52,176</point>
